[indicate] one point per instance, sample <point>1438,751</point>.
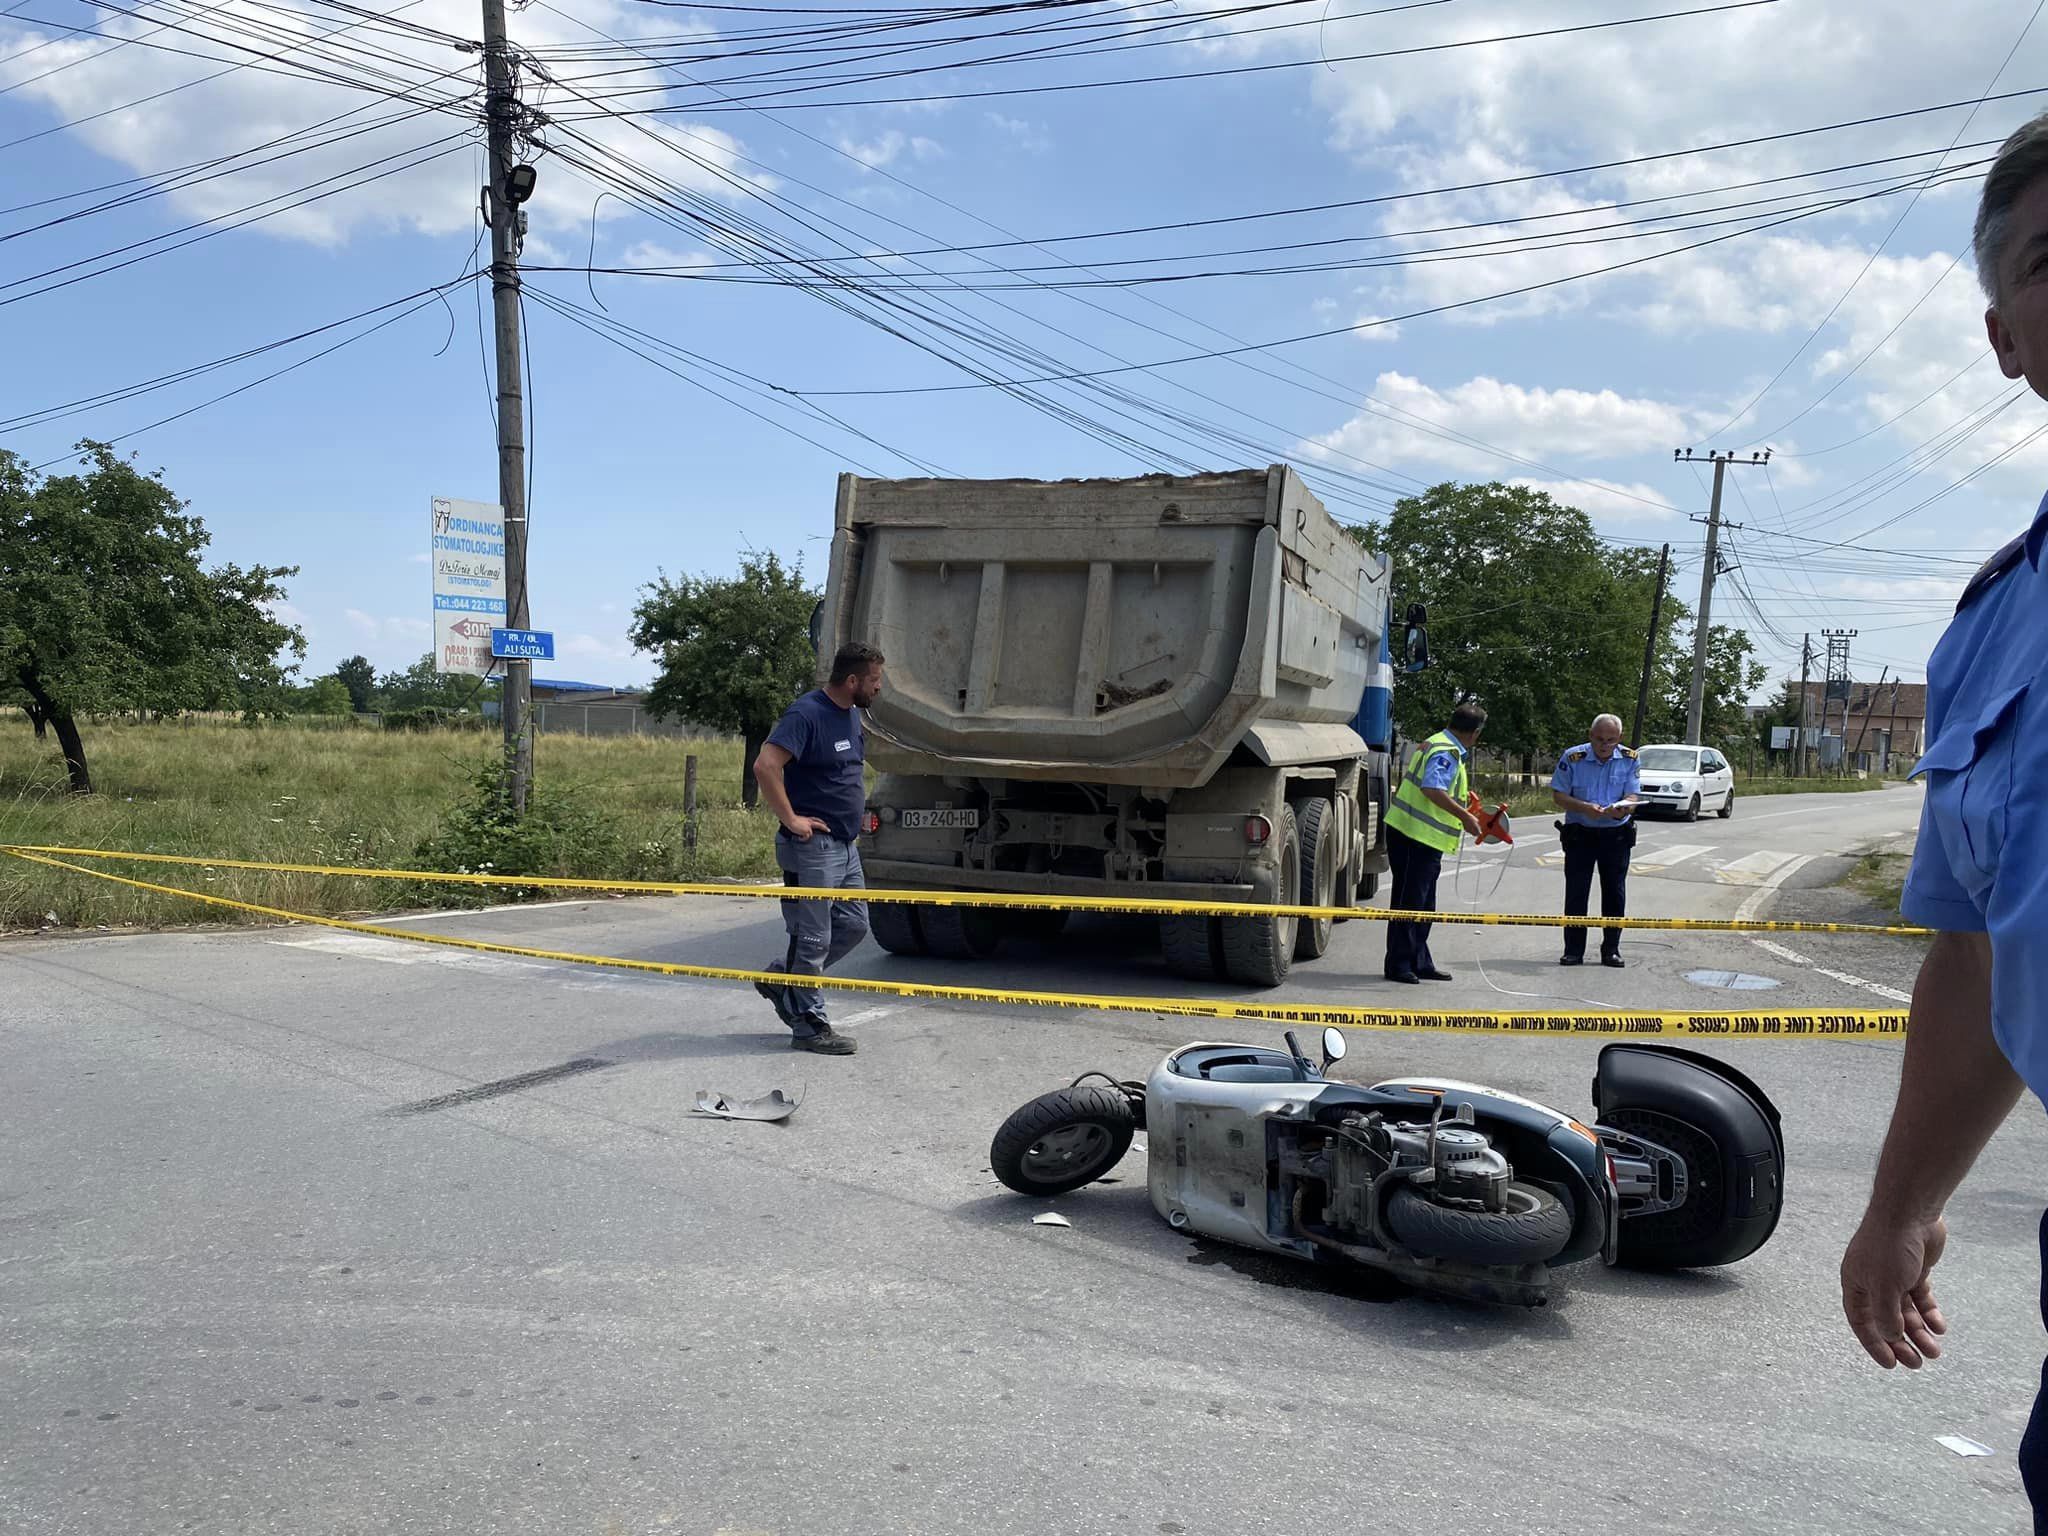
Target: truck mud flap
<point>1728,1133</point>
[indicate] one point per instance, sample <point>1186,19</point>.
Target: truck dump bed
<point>1106,631</point>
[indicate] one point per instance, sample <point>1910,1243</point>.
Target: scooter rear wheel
<point>1062,1140</point>
<point>1535,1226</point>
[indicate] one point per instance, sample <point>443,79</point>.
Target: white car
<point>1686,780</point>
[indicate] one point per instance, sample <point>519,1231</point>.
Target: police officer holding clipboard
<point>1596,786</point>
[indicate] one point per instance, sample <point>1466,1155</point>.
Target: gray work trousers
<point>821,933</point>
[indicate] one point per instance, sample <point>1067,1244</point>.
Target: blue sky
<point>1585,387</point>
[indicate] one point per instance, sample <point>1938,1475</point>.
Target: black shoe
<point>775,992</point>
<point>1571,959</point>
<point>1407,978</point>
<point>1434,975</point>
<point>825,1042</point>
<point>1613,962</point>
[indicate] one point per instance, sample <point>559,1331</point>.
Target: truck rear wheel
<point>894,926</point>
<point>1320,857</point>
<point>1259,951</point>
<point>960,933</point>
<point>1193,946</point>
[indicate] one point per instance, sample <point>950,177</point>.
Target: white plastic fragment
<point>1050,1219</point>
<point>1962,1446</point>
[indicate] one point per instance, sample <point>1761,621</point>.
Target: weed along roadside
<point>609,807</point>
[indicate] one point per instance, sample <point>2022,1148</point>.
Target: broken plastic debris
<point>773,1105</point>
<point>1050,1219</point>
<point>1962,1446</point>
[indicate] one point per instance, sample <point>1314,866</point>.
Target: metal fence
<point>566,717</point>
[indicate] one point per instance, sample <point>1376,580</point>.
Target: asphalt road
<point>281,1250</point>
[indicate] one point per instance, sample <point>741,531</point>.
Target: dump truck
<point>1162,687</point>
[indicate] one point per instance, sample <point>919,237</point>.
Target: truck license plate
<point>920,821</point>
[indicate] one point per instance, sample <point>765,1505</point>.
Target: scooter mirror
<point>1333,1045</point>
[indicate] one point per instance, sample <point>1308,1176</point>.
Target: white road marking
<point>513,906</point>
<point>1665,857</point>
<point>393,952</point>
<point>1758,899</point>
<point>1757,868</point>
<point>864,1016</point>
<point>1754,903</point>
<point>1781,951</point>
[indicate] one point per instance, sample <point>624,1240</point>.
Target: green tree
<point>104,604</point>
<point>734,651</point>
<point>1528,612</point>
<point>1733,674</point>
<point>423,686</point>
<point>360,678</point>
<point>324,696</point>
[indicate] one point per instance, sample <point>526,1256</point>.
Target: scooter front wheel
<point>1534,1226</point>
<point>1062,1140</point>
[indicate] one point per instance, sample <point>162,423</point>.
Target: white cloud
<point>1873,589</point>
<point>420,558</point>
<point>1030,137</point>
<point>391,629</point>
<point>1607,500</point>
<point>652,253</point>
<point>1538,423</point>
<point>426,169</point>
<point>587,647</point>
<point>889,146</point>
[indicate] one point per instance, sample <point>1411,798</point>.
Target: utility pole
<point>511,184</point>
<point>1869,709</point>
<point>1709,569</point>
<point>1650,647</point>
<point>1805,662</point>
<point>1891,727</point>
<point>1838,677</point>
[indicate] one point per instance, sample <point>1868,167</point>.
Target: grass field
<point>355,797</point>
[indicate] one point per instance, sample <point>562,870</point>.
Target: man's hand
<point>804,828</point>
<point>1885,1291</point>
<point>1474,827</point>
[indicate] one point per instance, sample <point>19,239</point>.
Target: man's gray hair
<point>2022,160</point>
<point>1600,720</point>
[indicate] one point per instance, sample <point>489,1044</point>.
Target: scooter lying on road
<point>1450,1186</point>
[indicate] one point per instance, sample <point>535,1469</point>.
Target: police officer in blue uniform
<point>1977,1036</point>
<point>1593,786</point>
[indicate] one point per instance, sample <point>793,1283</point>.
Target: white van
<point>1686,780</point>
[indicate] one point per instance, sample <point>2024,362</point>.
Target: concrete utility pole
<point>1805,662</point>
<point>511,184</point>
<point>1650,647</point>
<point>1702,621</point>
<point>1869,709</point>
<point>1838,677</point>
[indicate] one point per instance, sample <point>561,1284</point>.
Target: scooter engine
<point>1455,1163</point>
<point>1451,1164</point>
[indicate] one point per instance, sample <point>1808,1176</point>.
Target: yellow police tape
<point>1019,901</point>
<point>1853,1025</point>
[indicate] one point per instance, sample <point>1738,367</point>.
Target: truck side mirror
<point>1415,639</point>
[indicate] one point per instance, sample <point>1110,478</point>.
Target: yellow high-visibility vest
<point>1413,814</point>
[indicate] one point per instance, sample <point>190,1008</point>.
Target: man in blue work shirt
<point>1424,820</point>
<point>1977,1037</point>
<point>812,774</point>
<point>1594,786</point>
